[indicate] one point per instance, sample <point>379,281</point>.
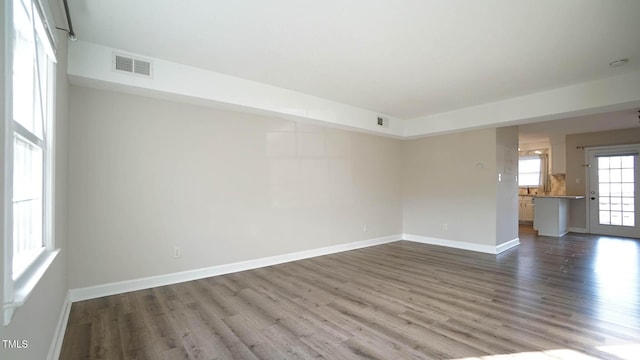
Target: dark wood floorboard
<point>577,297</point>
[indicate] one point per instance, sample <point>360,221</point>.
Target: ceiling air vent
<point>383,122</point>
<point>131,65</point>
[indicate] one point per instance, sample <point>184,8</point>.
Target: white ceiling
<point>407,58</point>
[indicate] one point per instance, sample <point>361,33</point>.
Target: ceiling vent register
<point>131,65</point>
<point>383,122</point>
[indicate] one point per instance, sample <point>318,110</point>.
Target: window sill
<point>24,285</point>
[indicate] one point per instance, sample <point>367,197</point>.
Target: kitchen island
<point>552,214</point>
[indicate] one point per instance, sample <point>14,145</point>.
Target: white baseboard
<point>489,249</point>
<point>120,287</point>
<point>578,230</point>
<point>507,245</point>
<point>58,336</point>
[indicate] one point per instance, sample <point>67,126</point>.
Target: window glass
<point>26,98</point>
<point>529,171</point>
<point>30,93</point>
<point>27,203</point>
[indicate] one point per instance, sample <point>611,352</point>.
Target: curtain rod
<point>71,34</point>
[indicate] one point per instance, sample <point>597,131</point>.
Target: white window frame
<point>16,291</point>
<point>529,157</point>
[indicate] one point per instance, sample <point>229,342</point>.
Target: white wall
<point>147,175</point>
<point>37,319</point>
<point>450,179</point>
<point>507,188</point>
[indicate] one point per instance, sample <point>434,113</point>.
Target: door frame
<point>587,169</point>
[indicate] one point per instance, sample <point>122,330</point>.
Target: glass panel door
<point>613,190</point>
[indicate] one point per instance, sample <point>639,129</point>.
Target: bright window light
<point>529,171</point>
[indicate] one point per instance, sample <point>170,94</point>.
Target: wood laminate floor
<point>570,298</point>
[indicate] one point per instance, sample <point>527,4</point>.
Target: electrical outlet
<point>364,228</point>
<point>445,226</point>
<point>177,252</point>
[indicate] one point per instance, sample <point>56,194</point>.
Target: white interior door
<point>613,191</point>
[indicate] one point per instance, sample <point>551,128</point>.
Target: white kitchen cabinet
<point>526,208</point>
<point>558,156</point>
<point>520,210</point>
<point>527,212</point>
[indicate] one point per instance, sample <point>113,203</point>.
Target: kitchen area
<point>543,202</point>
<point>570,175</point>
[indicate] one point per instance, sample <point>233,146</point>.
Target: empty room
<point>320,180</point>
